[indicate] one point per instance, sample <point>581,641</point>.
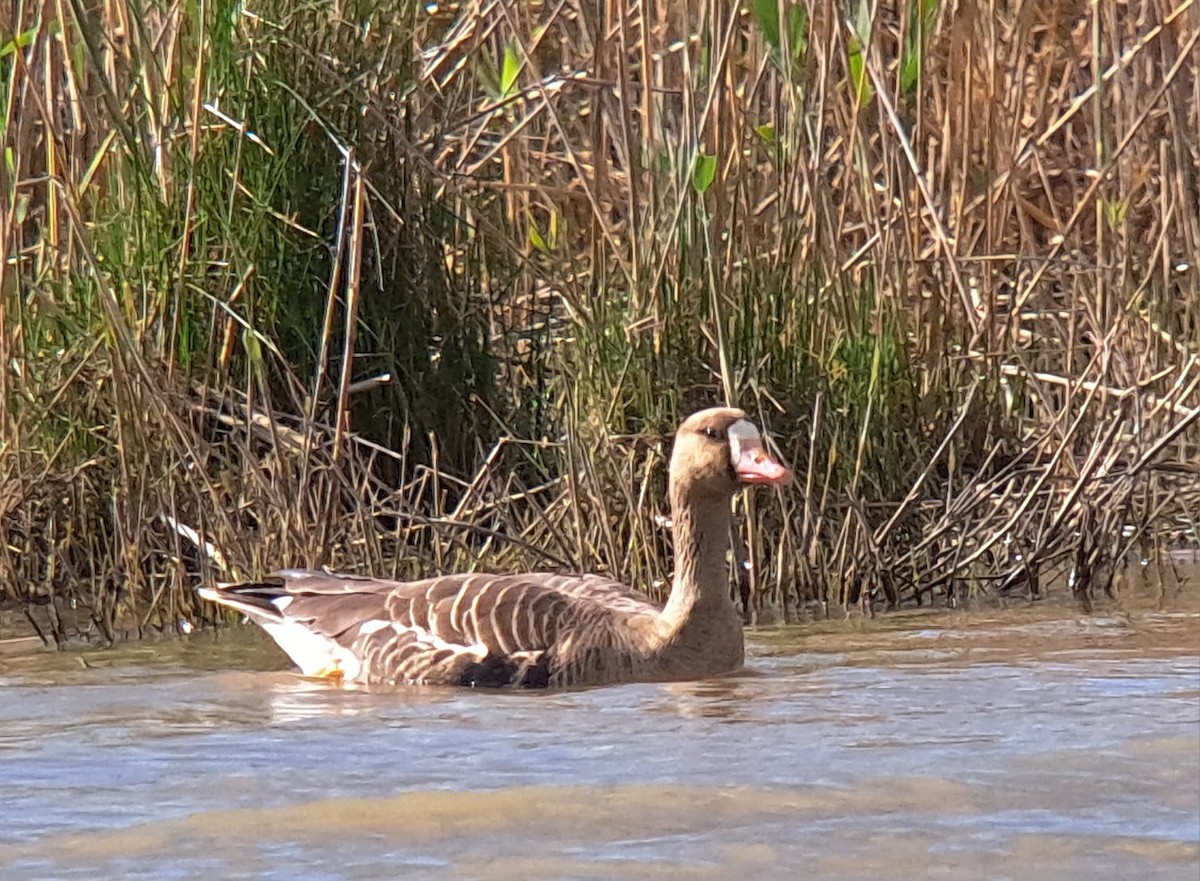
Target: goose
<point>538,629</point>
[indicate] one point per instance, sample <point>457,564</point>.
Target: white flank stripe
<point>456,606</point>
<point>494,619</point>
<point>479,650</point>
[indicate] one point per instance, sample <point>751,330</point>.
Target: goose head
<point>718,450</point>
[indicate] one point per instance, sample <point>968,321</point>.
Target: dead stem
<point>429,289</point>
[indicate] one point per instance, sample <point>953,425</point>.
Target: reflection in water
<point>1030,743</point>
<point>297,701</point>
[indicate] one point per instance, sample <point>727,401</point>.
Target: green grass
<point>552,269</point>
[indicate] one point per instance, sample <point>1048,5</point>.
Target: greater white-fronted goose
<point>538,629</point>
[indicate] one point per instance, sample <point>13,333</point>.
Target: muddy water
<point>1025,743</point>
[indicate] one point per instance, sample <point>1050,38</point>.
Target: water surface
<point>1026,743</point>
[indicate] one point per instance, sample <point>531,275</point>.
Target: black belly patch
<point>497,671</point>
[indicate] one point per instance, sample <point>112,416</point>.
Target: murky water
<point>1028,743</point>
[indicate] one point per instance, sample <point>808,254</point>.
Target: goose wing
<point>476,629</point>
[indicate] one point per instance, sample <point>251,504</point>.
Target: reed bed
<point>401,288</point>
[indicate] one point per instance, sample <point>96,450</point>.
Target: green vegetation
<point>405,287</point>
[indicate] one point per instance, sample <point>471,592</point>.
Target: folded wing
<point>482,630</point>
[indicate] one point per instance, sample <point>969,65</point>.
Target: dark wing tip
<point>252,594</point>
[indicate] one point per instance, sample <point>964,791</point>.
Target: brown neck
<point>701,586</point>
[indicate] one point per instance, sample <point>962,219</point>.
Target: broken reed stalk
<point>556,228</point>
<point>353,276</point>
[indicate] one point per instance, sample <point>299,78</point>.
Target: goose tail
<point>318,656</point>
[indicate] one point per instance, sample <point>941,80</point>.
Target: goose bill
<point>751,461</point>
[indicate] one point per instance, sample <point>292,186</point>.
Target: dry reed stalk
<point>946,254</point>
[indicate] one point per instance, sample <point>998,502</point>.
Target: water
<point>1026,744</point>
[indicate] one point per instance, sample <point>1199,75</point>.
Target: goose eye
<point>711,434</point>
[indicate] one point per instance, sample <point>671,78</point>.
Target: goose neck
<point>701,584</point>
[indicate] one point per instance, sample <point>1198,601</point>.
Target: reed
<point>402,287</point>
